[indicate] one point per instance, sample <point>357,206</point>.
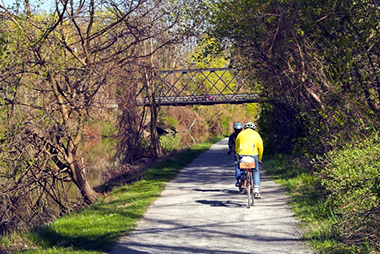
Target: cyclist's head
<point>249,125</point>
<point>238,127</point>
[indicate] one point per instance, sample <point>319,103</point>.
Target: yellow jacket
<point>249,142</point>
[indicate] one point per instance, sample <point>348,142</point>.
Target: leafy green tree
<point>317,66</point>
<point>315,63</point>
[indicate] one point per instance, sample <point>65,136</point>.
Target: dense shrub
<point>351,179</point>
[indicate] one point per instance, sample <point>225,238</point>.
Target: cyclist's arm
<point>260,147</point>
<point>231,144</point>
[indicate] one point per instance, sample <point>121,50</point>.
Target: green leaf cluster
<point>351,181</point>
<point>315,61</point>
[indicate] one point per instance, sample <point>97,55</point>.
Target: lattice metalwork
<point>201,86</point>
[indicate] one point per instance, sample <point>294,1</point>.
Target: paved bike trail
<point>201,211</point>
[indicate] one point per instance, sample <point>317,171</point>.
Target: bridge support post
<point>155,139</point>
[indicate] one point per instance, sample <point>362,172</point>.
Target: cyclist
<point>249,143</point>
<point>231,149</point>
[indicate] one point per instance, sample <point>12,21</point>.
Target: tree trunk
<point>155,139</point>
<point>80,181</point>
<point>76,170</point>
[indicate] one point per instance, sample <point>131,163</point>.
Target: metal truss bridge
<point>200,87</point>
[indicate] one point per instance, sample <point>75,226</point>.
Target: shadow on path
<point>201,211</point>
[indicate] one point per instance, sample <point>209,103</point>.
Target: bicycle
<point>246,164</point>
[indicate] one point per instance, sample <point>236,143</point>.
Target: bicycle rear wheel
<point>249,194</point>
<point>241,185</point>
<point>252,196</point>
<point>249,189</point>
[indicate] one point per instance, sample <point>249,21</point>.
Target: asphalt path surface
<point>201,211</point>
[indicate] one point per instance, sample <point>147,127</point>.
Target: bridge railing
<point>200,86</point>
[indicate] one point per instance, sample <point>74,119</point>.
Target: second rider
<point>231,149</point>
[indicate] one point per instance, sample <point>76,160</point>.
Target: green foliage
<point>208,54</point>
<point>338,207</point>
<point>351,179</point>
<point>252,109</point>
<point>352,176</point>
<point>317,72</point>
<point>311,205</point>
<point>170,143</point>
<point>226,121</point>
<point>166,121</point>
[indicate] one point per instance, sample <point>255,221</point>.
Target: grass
<point>98,227</point>
<point>314,197</point>
<point>307,203</point>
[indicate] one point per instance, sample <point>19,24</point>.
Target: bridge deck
<point>203,100</point>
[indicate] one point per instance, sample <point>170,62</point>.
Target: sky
<point>40,4</point>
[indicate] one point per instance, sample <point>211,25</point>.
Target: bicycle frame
<point>246,164</point>
<point>246,177</point>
